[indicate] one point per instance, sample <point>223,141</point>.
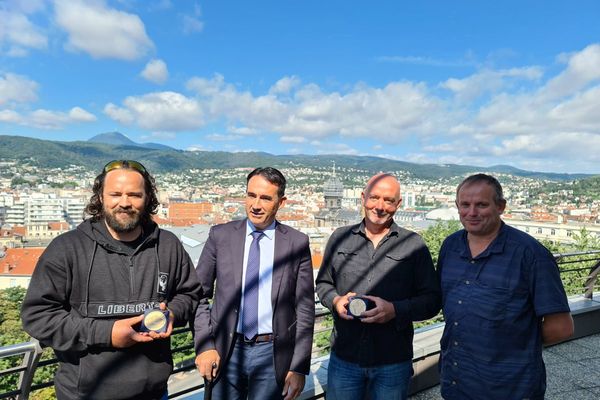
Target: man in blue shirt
<point>502,300</point>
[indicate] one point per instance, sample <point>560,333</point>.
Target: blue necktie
<point>250,317</point>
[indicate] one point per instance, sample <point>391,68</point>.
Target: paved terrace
<point>573,370</point>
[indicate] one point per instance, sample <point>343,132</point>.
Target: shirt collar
<point>497,245</point>
<point>269,231</point>
<point>360,229</point>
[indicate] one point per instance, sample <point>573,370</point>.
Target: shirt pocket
<point>393,279</point>
<point>489,303</point>
<point>351,271</point>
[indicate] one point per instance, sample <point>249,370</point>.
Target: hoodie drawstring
<point>87,281</point>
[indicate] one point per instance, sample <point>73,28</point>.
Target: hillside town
<point>38,204</point>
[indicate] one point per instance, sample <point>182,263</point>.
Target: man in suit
<point>256,338</point>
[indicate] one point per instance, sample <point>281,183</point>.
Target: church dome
<point>333,187</point>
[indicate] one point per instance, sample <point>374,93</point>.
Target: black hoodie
<point>82,283</point>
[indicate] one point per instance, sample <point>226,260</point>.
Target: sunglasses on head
<point>127,164</point>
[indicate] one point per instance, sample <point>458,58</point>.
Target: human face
<point>262,202</point>
<point>380,200</point>
<point>123,200</point>
<point>478,212</point>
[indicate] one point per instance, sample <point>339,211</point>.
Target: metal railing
<point>581,266</point>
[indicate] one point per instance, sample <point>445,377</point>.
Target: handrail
<point>32,351</point>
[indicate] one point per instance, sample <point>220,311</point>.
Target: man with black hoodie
<point>91,286</point>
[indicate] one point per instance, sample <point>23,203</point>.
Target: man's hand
<point>167,333</point>
<point>382,313</point>
<point>207,363</point>
<point>123,335</point>
<point>340,303</point>
<point>294,383</point>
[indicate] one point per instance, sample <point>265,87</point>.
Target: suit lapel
<point>280,261</point>
<point>238,237</point>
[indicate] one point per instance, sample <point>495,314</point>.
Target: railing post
<point>591,281</point>
<point>30,360</point>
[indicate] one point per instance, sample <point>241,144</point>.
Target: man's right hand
<point>340,303</point>
<point>207,363</point>
<point>123,335</point>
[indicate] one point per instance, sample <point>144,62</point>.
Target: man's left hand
<point>381,313</point>
<point>294,383</point>
<point>164,335</point>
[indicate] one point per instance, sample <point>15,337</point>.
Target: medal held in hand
<point>358,305</point>
<point>155,320</point>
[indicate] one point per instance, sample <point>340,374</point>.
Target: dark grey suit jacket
<point>219,271</point>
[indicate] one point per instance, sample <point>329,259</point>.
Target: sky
<point>464,82</point>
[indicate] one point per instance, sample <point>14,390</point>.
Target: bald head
<point>383,179</point>
<point>380,199</point>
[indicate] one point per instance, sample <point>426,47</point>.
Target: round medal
<point>155,320</point>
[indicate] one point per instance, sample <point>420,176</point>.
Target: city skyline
<point>463,82</point>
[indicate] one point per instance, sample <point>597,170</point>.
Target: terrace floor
<point>572,369</point>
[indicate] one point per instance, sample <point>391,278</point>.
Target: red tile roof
<point>20,261</point>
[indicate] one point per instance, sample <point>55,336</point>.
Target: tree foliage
<point>434,236</point>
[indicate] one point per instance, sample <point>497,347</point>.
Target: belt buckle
<point>246,340</point>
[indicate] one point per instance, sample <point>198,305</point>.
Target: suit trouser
<point>249,374</point>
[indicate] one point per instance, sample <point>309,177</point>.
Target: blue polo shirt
<point>493,305</point>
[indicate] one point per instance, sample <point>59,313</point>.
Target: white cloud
<point>292,139</point>
<point>10,116</point>
<point>192,23</point>
<point>156,71</point>
<point>47,119</point>
<point>206,87</point>
<point>487,80</point>
<point>120,115</point>
<point>80,115</point>
<point>398,109</point>
<point>18,32</point>
<point>334,148</point>
<point>242,130</point>
<point>583,68</point>
<point>494,116</point>
<point>17,88</point>
<point>28,6</point>
<point>101,31</point>
<point>160,5</point>
<point>159,111</point>
<point>284,85</point>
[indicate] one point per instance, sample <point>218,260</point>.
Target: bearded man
<point>91,286</point>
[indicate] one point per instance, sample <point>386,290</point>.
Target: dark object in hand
<point>358,305</point>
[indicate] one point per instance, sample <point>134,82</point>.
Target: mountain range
<point>160,158</point>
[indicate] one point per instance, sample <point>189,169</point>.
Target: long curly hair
<point>95,210</point>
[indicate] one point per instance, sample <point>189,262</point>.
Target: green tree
<point>585,240</point>
<point>11,331</point>
<point>435,235</point>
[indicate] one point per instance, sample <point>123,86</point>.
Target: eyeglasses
<point>118,164</point>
